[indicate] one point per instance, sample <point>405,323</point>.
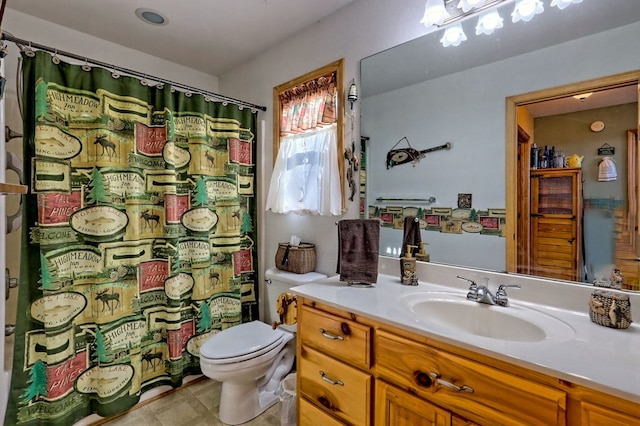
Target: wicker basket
<point>610,309</point>
<point>298,259</point>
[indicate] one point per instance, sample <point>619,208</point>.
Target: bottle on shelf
<point>552,157</point>
<point>534,156</point>
<point>545,158</point>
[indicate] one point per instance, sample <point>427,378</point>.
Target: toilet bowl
<point>252,359</point>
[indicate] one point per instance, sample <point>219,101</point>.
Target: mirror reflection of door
<point>594,227</point>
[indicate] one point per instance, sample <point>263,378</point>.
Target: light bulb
<point>488,22</point>
<point>467,5</point>
<point>434,13</point>
<point>453,36</point>
<point>561,4</point>
<point>525,10</point>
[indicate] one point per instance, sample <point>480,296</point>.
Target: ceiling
<point>212,36</point>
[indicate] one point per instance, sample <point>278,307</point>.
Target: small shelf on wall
<point>12,188</point>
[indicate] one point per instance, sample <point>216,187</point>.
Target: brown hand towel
<point>358,249</point>
<point>411,234</point>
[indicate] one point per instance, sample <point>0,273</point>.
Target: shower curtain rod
<point>24,44</point>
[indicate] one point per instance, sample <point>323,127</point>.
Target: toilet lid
<point>251,338</point>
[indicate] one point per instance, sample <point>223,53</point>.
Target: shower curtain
<point>138,238</point>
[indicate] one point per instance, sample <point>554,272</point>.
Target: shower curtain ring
<point>86,65</point>
<point>144,80</point>
<point>114,73</point>
<point>55,58</point>
<point>29,52</point>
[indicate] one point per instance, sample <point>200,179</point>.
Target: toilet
<point>251,359</point>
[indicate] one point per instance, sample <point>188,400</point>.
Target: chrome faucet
<point>482,294</point>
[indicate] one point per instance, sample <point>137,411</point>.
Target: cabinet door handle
<point>331,381</point>
<point>450,385</point>
<point>330,336</point>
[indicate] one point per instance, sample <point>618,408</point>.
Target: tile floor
<point>195,404</point>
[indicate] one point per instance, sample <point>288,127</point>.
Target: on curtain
<point>305,176</point>
<point>309,106</point>
<point>138,239</point>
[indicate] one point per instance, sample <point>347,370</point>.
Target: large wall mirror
<point>432,95</point>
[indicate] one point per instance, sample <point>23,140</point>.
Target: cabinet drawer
<point>337,336</point>
<point>492,397</point>
<point>310,415</point>
<point>342,390</point>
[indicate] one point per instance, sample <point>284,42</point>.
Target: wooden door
<point>395,407</point>
<point>556,229</point>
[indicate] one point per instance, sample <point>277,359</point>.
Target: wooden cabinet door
<point>395,407</point>
<point>595,415</point>
<point>556,228</point>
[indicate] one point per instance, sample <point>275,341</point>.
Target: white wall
<point>362,28</point>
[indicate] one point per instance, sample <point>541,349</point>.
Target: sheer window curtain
<point>306,177</point>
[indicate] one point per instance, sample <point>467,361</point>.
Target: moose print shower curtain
<point>138,238</point>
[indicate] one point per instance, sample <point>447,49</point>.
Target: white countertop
<point>602,358</point>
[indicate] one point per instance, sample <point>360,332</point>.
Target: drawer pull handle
<point>330,336</point>
<point>450,385</point>
<point>331,381</point>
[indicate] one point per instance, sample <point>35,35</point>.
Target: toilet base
<point>243,401</point>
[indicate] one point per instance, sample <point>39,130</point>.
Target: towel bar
<point>417,200</point>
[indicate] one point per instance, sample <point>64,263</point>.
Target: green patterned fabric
<point>138,239</point>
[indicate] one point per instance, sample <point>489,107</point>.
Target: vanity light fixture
<point>561,4</point>
<point>467,5</point>
<point>453,35</point>
<point>434,13</point>
<point>525,10</point>
<point>488,22</point>
<point>450,13</point>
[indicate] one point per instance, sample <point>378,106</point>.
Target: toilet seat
<point>241,342</point>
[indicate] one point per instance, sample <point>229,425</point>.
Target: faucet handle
<point>473,286</point>
<point>501,294</point>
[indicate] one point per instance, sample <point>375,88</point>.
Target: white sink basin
<point>452,313</point>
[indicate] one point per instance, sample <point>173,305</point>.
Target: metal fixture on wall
<point>450,13</point>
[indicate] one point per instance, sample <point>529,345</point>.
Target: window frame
<point>338,68</point>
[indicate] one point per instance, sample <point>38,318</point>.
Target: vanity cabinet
<point>353,370</point>
<point>556,223</point>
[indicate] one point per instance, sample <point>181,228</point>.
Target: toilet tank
<point>277,282</point>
